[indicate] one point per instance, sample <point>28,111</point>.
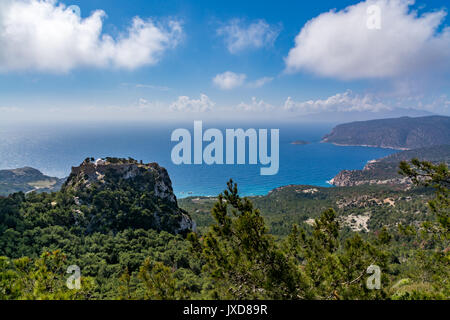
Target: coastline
<point>366,145</point>
<point>330,182</point>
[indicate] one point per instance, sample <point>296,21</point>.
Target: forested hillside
<point>398,133</point>
<point>119,222</point>
<point>27,179</point>
<point>361,208</point>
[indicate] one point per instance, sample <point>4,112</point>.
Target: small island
<point>299,142</point>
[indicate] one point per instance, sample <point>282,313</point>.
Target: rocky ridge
<point>403,133</point>
<point>144,179</point>
<point>385,171</point>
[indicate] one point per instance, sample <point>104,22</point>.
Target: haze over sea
<point>55,148</point>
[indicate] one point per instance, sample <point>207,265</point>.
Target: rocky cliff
<point>385,170</point>
<point>125,193</point>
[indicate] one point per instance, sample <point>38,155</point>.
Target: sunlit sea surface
<point>54,148</point>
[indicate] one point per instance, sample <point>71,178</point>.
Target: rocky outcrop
<point>143,181</point>
<point>385,170</point>
<point>349,178</point>
<point>89,173</point>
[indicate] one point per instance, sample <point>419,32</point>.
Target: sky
<point>168,60</point>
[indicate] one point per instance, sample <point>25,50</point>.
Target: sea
<point>54,148</point>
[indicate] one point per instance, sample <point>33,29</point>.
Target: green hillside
<point>120,223</point>
<point>27,179</point>
<point>397,133</point>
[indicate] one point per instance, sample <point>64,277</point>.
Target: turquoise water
<point>53,149</point>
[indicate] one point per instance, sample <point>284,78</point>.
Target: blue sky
<point>207,58</point>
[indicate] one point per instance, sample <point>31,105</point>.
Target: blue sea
<point>55,148</point>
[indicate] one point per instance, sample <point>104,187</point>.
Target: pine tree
<point>242,258</point>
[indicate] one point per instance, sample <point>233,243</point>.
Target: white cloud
<point>440,104</point>
<point>238,36</point>
<point>144,104</point>
<point>255,106</point>
<point>45,35</point>
<point>229,80</point>
<point>341,102</point>
<point>260,82</point>
<point>339,44</point>
<point>186,104</point>
<point>11,110</point>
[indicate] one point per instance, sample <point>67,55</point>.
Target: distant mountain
<point>399,133</point>
<point>26,180</point>
<point>385,170</point>
<point>349,116</point>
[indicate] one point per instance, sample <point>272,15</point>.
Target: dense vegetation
<point>382,206</point>
<point>235,253</point>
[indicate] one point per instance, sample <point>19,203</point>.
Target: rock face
<point>349,178</point>
<point>400,133</point>
<point>385,170</point>
<point>90,172</point>
<point>148,199</point>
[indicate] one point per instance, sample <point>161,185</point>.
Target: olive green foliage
<point>241,256</point>
<point>41,279</point>
<point>159,281</point>
<point>336,270</point>
<point>290,205</point>
<point>30,226</point>
<point>246,263</point>
<point>438,176</point>
<point>236,254</point>
<point>429,274</point>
